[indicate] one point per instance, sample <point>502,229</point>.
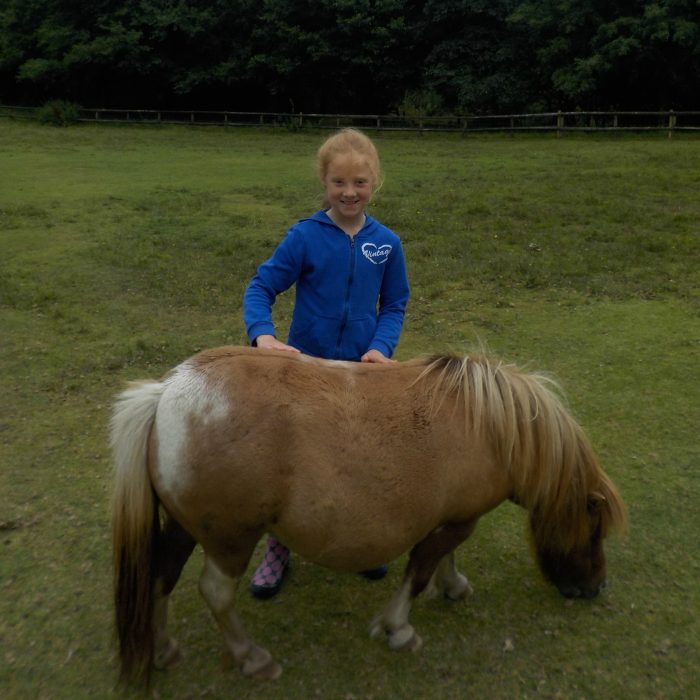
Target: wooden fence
<point>559,122</point>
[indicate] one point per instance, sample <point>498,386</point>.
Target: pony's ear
<point>596,500</point>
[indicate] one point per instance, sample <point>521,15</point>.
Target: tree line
<point>353,56</point>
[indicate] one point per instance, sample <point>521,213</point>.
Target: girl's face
<point>349,185</point>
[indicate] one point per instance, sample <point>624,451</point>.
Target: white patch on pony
<point>187,395</point>
<point>345,364</point>
<point>329,364</point>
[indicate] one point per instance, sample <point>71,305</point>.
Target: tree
<point>622,53</point>
<point>62,48</point>
<point>334,55</point>
<point>473,58</point>
<point>361,56</point>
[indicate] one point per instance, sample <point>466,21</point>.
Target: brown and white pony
<point>350,465</point>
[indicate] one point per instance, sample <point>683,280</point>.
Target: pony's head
<point>574,559</point>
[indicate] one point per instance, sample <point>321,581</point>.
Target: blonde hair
<point>350,142</point>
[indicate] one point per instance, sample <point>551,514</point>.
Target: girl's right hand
<point>269,342</point>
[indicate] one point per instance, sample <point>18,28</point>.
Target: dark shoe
<point>268,577</point>
<point>375,574</point>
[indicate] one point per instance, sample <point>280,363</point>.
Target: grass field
<point>125,250</point>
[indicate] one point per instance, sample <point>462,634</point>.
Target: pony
<point>350,465</point>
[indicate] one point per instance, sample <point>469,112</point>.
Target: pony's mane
<point>553,466</point>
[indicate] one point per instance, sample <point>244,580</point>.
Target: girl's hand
<point>269,342</point>
<point>376,356</point>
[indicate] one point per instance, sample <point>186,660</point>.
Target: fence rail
<point>559,122</point>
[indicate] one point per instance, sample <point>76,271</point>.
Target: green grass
<point>125,250</point>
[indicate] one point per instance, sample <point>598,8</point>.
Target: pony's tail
<point>135,529</point>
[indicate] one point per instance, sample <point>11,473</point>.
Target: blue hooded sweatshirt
<point>351,291</point>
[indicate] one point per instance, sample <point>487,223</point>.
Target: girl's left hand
<point>376,356</point>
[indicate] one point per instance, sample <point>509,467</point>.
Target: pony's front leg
<point>219,591</point>
<point>448,581</point>
<point>393,622</point>
<point>422,564</point>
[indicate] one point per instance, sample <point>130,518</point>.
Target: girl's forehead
<point>349,165</point>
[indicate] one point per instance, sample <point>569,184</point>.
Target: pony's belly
<point>348,557</point>
<point>353,543</point>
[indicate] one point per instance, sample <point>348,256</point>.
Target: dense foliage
<point>353,55</point>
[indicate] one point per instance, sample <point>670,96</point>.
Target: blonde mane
<point>554,469</point>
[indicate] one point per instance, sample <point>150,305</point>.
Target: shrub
<point>59,113</point>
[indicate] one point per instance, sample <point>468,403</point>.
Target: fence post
<point>560,123</point>
<point>671,123</point>
<point>301,120</point>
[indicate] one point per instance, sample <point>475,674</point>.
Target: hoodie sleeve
<point>273,277</point>
<point>393,298</point>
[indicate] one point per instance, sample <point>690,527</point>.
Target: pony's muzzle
<point>586,592</point>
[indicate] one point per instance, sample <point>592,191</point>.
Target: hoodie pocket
<point>357,336</point>
<point>317,337</point>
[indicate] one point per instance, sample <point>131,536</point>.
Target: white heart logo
<point>375,255</point>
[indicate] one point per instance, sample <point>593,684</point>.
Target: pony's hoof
<point>459,590</point>
<point>405,639</point>
<point>168,656</point>
<point>261,666</point>
<point>271,672</point>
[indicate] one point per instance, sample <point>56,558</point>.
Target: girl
<point>351,287</point>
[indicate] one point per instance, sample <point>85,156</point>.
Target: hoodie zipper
<point>346,308</point>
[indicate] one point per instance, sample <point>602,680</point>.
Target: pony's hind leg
<point>166,651</point>
<point>425,558</point>
<point>174,549</point>
<point>219,591</point>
